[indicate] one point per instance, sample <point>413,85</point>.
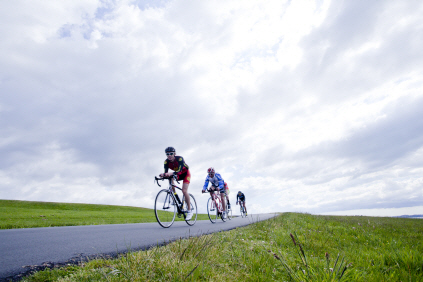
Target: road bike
<point>228,210</point>
<point>242,209</point>
<point>168,204</point>
<point>215,207</point>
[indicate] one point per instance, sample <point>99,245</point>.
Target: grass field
<point>290,247</point>
<point>25,214</point>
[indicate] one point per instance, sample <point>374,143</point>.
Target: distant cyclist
<point>181,170</point>
<point>218,184</point>
<point>240,197</point>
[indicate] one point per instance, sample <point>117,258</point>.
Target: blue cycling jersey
<point>240,197</point>
<point>216,181</point>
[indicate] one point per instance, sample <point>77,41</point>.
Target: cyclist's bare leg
<point>211,192</point>
<point>222,196</point>
<point>173,188</point>
<point>245,208</point>
<point>185,192</point>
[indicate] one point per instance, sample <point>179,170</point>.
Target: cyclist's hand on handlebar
<point>202,191</point>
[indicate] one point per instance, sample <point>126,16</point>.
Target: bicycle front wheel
<point>193,204</point>
<point>165,208</point>
<point>241,208</point>
<point>212,210</point>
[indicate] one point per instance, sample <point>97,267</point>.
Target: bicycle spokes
<point>167,202</point>
<point>164,212</point>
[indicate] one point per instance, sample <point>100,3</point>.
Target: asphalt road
<point>23,250</point>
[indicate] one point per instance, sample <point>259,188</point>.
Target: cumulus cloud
<point>306,106</point>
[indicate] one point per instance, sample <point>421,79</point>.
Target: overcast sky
<point>309,106</point>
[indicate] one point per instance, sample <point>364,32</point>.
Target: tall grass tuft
<point>306,272</point>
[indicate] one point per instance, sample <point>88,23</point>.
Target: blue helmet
<point>170,150</point>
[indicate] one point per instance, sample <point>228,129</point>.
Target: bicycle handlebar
<point>157,180</point>
<point>163,178</point>
<point>209,190</point>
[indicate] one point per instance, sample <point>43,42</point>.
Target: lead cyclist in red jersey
<point>181,170</point>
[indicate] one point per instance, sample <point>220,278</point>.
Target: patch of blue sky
<point>244,58</point>
<point>148,4</point>
<point>106,8</point>
<point>66,30</point>
<point>86,28</point>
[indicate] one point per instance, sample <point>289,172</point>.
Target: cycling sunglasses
<point>170,154</point>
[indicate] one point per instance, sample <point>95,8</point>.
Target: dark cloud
<point>393,51</point>
<point>388,140</point>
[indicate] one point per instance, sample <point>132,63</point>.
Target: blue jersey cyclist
<point>240,197</point>
<point>217,184</point>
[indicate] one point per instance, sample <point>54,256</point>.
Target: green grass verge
<point>26,214</point>
<point>326,248</point>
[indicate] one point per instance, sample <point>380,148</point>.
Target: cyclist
<point>227,195</point>
<point>181,170</point>
<point>241,200</point>
<point>217,183</point>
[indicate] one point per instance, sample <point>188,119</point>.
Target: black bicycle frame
<point>172,194</point>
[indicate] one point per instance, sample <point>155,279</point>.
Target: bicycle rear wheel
<point>212,210</point>
<point>165,208</point>
<point>220,205</point>
<point>229,212</point>
<point>241,208</point>
<point>193,204</point>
